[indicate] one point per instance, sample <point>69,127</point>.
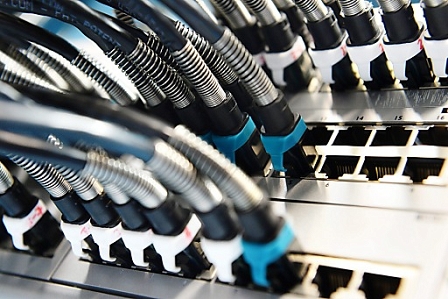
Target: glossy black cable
<point>96,27</point>
<point>197,20</point>
<point>21,28</point>
<point>144,12</point>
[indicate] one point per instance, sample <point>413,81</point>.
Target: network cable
<point>244,26</point>
<point>263,230</point>
<point>436,41</point>
<point>365,44</point>
<point>234,133</point>
<point>27,31</point>
<point>286,57</point>
<point>282,130</point>
<point>26,217</point>
<point>404,45</point>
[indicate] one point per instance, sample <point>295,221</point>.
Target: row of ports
<point>375,168</point>
<point>384,136</point>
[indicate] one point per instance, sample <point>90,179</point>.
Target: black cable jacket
<point>41,151</point>
<point>101,30</point>
<point>15,26</point>
<point>196,19</point>
<point>136,32</point>
<point>144,12</point>
<point>101,110</point>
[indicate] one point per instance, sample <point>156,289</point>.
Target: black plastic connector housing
<point>71,208</point>
<point>328,35</point>
<point>45,235</point>
<point>132,217</point>
<point>436,21</point>
<point>251,38</point>
<point>280,38</point>
<point>194,118</point>
<point>221,223</point>
<point>401,27</point>
<point>101,211</point>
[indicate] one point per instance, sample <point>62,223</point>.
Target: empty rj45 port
<point>329,279</point>
<point>379,286</point>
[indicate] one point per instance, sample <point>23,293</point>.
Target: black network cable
<point>21,28</point>
<point>26,217</point>
<point>329,54</point>
<point>117,44</point>
<point>21,76</point>
<point>365,44</point>
<point>243,25</point>
<point>286,58</point>
<point>11,46</point>
<point>436,45</point>
<point>404,45</point>
<point>282,130</point>
<point>234,133</point>
<point>296,20</point>
<point>102,217</point>
<point>263,227</point>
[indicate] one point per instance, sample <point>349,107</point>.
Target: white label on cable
<point>363,55</point>
<point>277,62</point>
<point>325,59</point>
<point>16,227</point>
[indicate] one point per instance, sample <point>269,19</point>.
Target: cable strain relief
<point>165,111</point>
<point>251,38</point>
<point>278,36</point>
<point>326,32</point>
<point>101,211</point>
<point>436,21</point>
<point>362,28</point>
<point>226,118</point>
<point>168,219</point>
<point>71,207</point>
<point>260,225</point>
<point>17,202</point>
<point>277,117</point>
<point>221,223</point>
<point>132,217</point>
<point>401,25</point>
<point>194,118</point>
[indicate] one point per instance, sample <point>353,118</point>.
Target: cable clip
<point>325,59</point>
<point>228,145</point>
<point>437,50</point>
<point>222,254</point>
<point>137,242</point>
<point>399,54</point>
<point>16,227</point>
<point>276,146</point>
<point>260,256</point>
<point>277,62</point>
<point>363,55</point>
<point>104,237</point>
<point>170,246</point>
<point>75,234</point>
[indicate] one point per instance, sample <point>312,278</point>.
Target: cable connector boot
<point>175,230</point>
<point>28,222</point>
<point>221,240</point>
<point>404,47</point>
<point>365,44</point>
<point>266,241</point>
<point>76,234</point>
<point>287,58</point>
<point>330,51</point>
<point>169,247</point>
<point>286,152</point>
<point>436,37</point>
<point>105,237</point>
<point>222,254</point>
<point>137,242</point>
